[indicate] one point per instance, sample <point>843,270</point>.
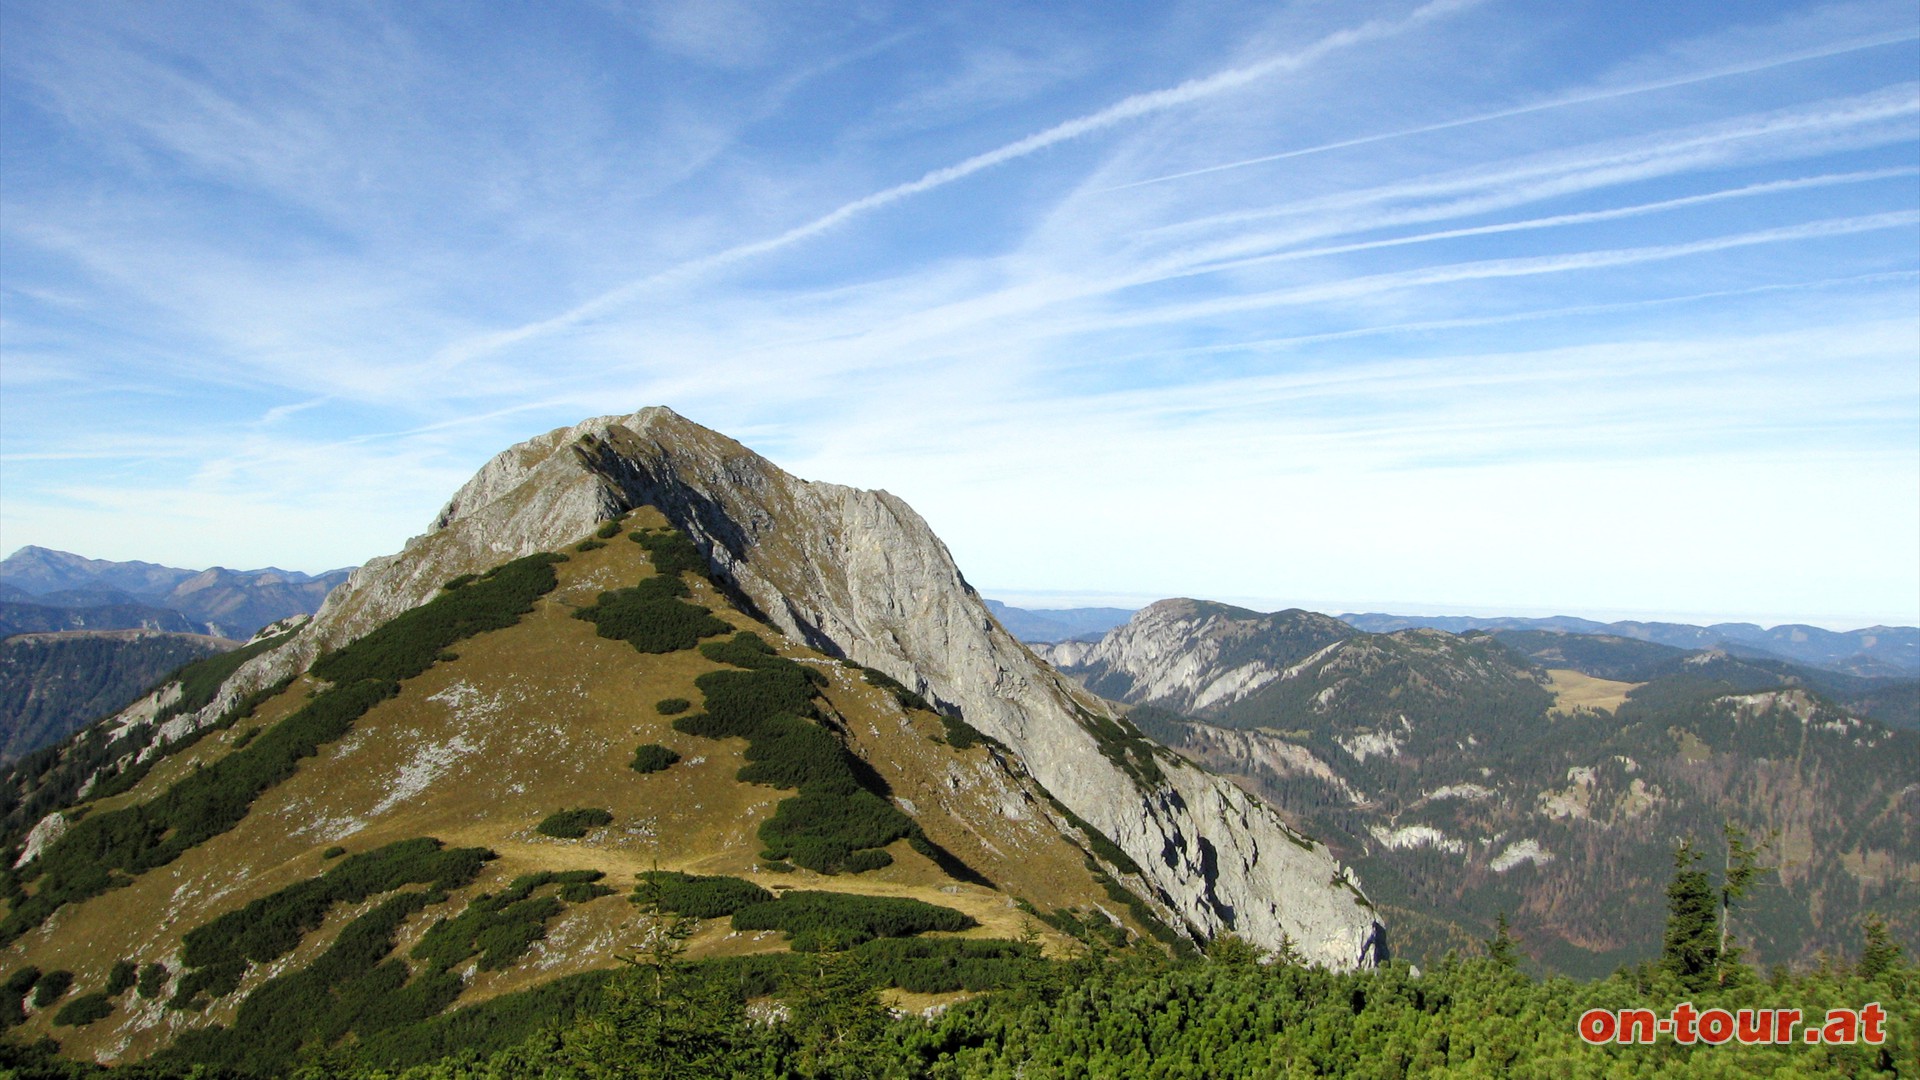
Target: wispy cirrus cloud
<point>1129,108</point>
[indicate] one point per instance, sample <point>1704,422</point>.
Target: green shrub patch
<point>652,758</point>
<point>216,954</point>
<point>153,979</point>
<point>1123,744</point>
<point>358,988</point>
<point>859,862</point>
<point>960,734</point>
<point>574,824</point>
<point>671,552</point>
<point>51,987</point>
<point>83,1010</point>
<point>121,978</point>
<point>770,704</point>
<point>943,965</point>
<point>700,897</point>
<point>353,986</point>
<point>473,1032</point>
<point>821,830</point>
<point>652,617</point>
<point>410,642</point>
<point>837,821</point>
<point>672,706</point>
<point>816,920</point>
<point>52,777</point>
<point>502,928</point>
<point>103,849</point>
<point>908,699</point>
<point>13,994</point>
<point>201,680</point>
<point>463,1039</point>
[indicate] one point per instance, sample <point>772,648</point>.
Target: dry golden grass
<point>1573,690</point>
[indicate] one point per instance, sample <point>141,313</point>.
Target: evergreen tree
<point>660,1019</point>
<point>1691,949</point>
<point>1234,949</point>
<point>1288,953</point>
<point>1500,947</point>
<point>1742,867</point>
<point>1879,955</point>
<point>835,1017</point>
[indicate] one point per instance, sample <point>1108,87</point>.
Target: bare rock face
<point>859,574</point>
<point>45,831</point>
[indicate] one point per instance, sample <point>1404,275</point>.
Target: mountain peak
<point>859,575</point>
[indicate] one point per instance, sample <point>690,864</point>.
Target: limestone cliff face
<point>1194,656</point>
<point>859,574</point>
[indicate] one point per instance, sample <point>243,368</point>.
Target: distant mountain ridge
<point>1872,650</point>
<point>1058,624</point>
<point>43,590</point>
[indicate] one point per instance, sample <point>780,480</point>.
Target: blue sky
<point>1607,309</point>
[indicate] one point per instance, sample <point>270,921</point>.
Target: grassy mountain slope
<point>502,730</point>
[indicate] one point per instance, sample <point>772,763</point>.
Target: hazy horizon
<point>1428,609</point>
<point>1042,601</point>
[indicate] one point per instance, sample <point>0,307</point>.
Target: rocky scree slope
<point>858,574</point>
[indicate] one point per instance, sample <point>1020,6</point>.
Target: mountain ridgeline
<point>42,590</point>
<point>84,637</point>
<point>1872,651</point>
<point>632,672</point>
<point>1543,774</point>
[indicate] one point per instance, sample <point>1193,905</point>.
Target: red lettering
<point>1784,1021</point>
<point>1683,1020</point>
<point>1716,1026</point>
<point>1756,1025</point>
<point>1597,1025</point>
<point>1842,1027</point>
<point>1872,1017</point>
<point>1637,1025</point>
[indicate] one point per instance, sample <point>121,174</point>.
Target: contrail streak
<point>1129,108</point>
<point>1541,106</point>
